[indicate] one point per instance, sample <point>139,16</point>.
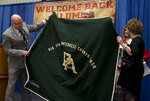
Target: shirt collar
<point>16,30</point>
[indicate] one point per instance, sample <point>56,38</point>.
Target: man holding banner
<point>16,45</point>
<point>88,14</point>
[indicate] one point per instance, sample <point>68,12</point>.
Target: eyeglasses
<point>86,14</point>
<point>18,23</point>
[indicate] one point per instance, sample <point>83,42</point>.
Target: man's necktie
<point>24,36</point>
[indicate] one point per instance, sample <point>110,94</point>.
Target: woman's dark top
<point>130,77</point>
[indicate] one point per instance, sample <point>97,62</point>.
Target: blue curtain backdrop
<point>125,10</point>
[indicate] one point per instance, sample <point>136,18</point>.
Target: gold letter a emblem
<point>68,63</point>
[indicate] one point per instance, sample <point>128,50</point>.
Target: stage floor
<point>34,97</point>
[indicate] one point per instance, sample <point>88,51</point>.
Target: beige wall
<point>3,2</point>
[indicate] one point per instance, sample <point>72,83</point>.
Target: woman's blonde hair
<point>123,32</point>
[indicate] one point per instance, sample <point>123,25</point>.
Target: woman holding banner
<point>129,82</point>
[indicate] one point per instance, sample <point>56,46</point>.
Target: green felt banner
<point>73,60</point>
